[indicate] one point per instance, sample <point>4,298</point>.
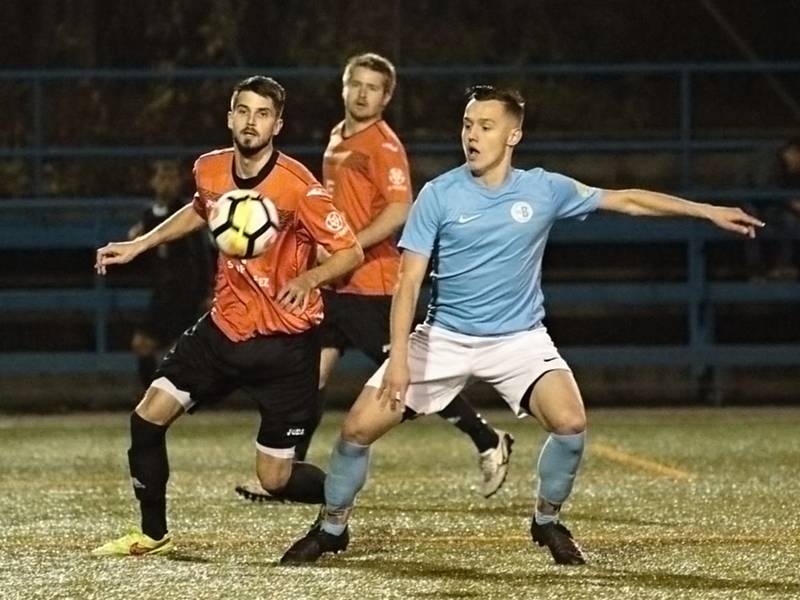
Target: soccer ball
<point>243,223</point>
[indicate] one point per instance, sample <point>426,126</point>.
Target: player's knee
<point>274,481</point>
<point>159,407</point>
<point>360,429</point>
<point>355,434</point>
<point>570,424</point>
<point>323,380</point>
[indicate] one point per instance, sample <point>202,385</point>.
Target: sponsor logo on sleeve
<point>397,178</point>
<point>334,222</point>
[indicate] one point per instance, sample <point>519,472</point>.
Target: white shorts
<point>441,363</point>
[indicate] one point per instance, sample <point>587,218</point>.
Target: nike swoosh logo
<point>464,219</point>
<point>137,549</point>
<point>549,359</point>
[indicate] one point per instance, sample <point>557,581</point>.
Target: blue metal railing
<point>109,218</point>
<point>685,142</point>
<point>30,224</point>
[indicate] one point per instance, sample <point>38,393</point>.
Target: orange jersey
<point>244,302</point>
<point>364,173</point>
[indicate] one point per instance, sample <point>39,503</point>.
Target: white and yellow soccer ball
<point>243,223</point>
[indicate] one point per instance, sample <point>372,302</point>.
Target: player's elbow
<point>623,201</point>
<point>357,255</point>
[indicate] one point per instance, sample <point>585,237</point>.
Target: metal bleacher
<point>39,223</point>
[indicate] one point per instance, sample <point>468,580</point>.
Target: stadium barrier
<point>41,223</point>
<point>87,224</point>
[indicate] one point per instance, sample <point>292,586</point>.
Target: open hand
<point>115,253</point>
<point>735,219</point>
<point>394,385</point>
<point>294,295</point>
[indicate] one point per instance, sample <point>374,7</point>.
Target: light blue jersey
<point>486,245</point>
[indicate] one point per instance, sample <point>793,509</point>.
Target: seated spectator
<point>778,259</point>
<point>180,274</point>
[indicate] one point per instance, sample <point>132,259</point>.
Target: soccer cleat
<point>255,493</point>
<point>314,544</point>
<point>135,544</point>
<point>494,464</point>
<point>559,541</point>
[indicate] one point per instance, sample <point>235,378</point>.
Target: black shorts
<point>356,321</point>
<point>280,372</point>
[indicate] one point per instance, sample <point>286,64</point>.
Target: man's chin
<point>249,150</point>
<point>360,116</point>
<point>475,169</point>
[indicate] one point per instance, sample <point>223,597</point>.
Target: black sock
<point>463,416</point>
<point>146,367</point>
<point>147,458</point>
<point>306,484</point>
<point>301,449</point>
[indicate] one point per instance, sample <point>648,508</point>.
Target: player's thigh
<point>369,419</point>
<point>193,372</point>
<point>281,373</point>
<point>159,407</point>
<point>273,471</point>
<point>514,365</point>
<point>556,402</point>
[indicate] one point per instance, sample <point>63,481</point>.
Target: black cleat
<point>255,493</point>
<point>314,544</point>
<point>559,541</point>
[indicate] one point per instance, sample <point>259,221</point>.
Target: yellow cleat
<point>135,544</point>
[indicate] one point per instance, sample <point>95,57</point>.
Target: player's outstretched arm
<point>654,204</point>
<point>182,223</point>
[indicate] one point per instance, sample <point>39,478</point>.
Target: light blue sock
<point>346,476</point>
<point>558,464</point>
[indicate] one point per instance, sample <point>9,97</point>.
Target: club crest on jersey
<point>334,222</point>
<point>396,176</point>
<point>521,212</point>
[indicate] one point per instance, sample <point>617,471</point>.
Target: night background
<point>685,341</point>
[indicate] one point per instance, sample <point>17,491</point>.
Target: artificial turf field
<point>689,503</point>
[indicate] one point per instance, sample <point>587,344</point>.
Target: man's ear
<point>514,137</point>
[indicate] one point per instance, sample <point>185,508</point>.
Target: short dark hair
<point>373,62</point>
<point>266,87</point>
<point>510,98</point>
